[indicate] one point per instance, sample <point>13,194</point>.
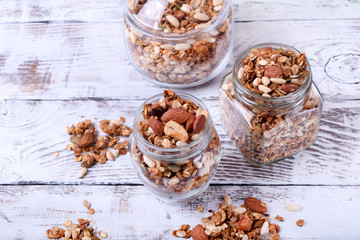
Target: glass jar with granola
<point>269,104</point>
<point>175,146</point>
<point>178,43</point>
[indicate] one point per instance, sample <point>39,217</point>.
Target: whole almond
<point>176,131</point>
<point>156,126</point>
<point>178,115</point>
<point>289,87</point>
<point>87,139</point>
<point>255,205</point>
<point>190,122</point>
<point>198,233</point>
<point>199,123</point>
<point>273,71</point>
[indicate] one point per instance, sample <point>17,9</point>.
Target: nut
<point>290,87</point>
<point>199,123</point>
<point>178,115</point>
<point>198,233</point>
<point>179,14</point>
<point>293,207</point>
<point>82,172</point>
<point>273,71</point>
<point>87,139</point>
<point>190,123</point>
<point>176,131</point>
<point>255,205</point>
<point>156,126</point>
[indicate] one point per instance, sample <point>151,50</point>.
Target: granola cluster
<point>249,221</point>
<point>188,60</point>
<point>273,72</point>
<point>90,148</point>
<point>83,230</point>
<point>174,123</point>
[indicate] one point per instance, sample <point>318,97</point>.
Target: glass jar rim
<point>178,153</point>
<point>277,101</point>
<point>175,36</point>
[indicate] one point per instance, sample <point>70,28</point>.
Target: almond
<point>199,123</point>
<point>255,205</point>
<point>245,223</point>
<point>190,122</point>
<point>198,233</point>
<point>178,115</point>
<point>87,139</point>
<point>289,87</point>
<point>156,126</point>
<point>273,71</point>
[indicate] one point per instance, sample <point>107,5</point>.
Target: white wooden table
<point>64,61</point>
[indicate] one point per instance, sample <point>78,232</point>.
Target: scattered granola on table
<point>174,45</point>
<point>249,221</point>
<point>270,106</point>
<point>90,148</point>
<point>83,230</point>
<point>175,146</point>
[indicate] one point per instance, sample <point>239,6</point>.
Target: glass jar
<point>183,59</point>
<point>176,174</point>
<point>268,129</point>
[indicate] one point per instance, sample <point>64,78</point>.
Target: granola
<point>231,222</point>
<point>285,116</point>
<point>90,148</point>
<point>83,230</point>
<point>170,125</point>
<point>178,49</point>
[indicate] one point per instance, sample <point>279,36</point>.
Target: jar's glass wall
<point>184,60</point>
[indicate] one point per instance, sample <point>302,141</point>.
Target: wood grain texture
<point>31,131</point>
<point>72,61</point>
<point>27,212</point>
<point>111,10</point>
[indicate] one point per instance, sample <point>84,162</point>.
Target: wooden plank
<point>111,10</point>
<point>68,61</point>
<point>26,212</point>
<point>31,131</point>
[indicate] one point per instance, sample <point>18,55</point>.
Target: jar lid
<point>175,16</point>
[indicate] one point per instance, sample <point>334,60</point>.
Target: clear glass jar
<point>268,129</point>
<point>176,174</point>
<point>178,59</point>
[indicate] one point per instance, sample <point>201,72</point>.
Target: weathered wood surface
<point>29,140</point>
<point>111,10</point>
<point>81,60</point>
<point>64,61</point>
<point>26,212</point>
